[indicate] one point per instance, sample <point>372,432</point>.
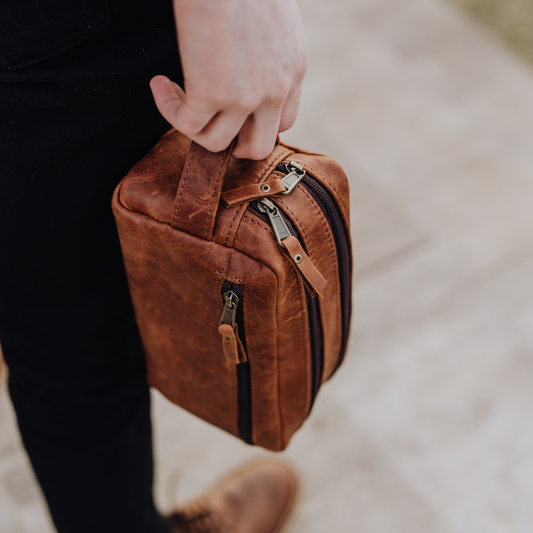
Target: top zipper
<point>340,235</point>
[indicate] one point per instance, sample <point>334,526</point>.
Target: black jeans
<point>76,113</point>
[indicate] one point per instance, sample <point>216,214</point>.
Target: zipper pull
<point>230,308</point>
<point>295,175</point>
<point>276,220</point>
<point>231,344</point>
<point>315,281</point>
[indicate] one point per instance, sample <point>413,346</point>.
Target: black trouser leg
<point>71,128</point>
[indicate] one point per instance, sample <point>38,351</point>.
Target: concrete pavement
<point>426,429</point>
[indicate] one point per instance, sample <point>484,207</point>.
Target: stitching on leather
<point>341,201</point>
<point>182,185</point>
<point>230,277</point>
<point>328,232</point>
<point>260,225</point>
<point>302,314</point>
<point>231,225</point>
<point>303,230</point>
<point>333,254</point>
<point>273,164</point>
<point>220,274</point>
<point>214,192</point>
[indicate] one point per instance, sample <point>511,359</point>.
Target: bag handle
<point>198,195</point>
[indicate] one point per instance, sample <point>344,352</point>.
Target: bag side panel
<point>289,328</point>
<point>319,244</point>
<point>331,176</point>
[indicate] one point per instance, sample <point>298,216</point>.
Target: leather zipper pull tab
<point>315,280</point>
<point>231,344</point>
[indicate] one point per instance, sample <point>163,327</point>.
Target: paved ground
<point>511,19</point>
<point>427,427</point>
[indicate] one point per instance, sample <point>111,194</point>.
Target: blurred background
<point>428,105</point>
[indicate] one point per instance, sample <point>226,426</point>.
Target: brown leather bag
<point>240,274</point>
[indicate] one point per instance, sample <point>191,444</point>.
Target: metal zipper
<point>313,310</point>
<point>277,221</point>
<point>340,235</point>
<point>232,314</point>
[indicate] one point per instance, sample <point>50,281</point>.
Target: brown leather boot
<point>255,499</point>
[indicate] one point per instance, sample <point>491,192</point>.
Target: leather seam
<point>273,164</point>
<point>231,225</point>
<point>131,210</point>
<point>260,225</point>
<point>328,233</point>
<point>246,318</point>
<point>230,277</point>
<point>341,202</point>
<point>149,217</point>
<point>281,438</point>
<point>220,274</point>
<point>333,253</point>
<point>214,192</point>
<point>303,313</point>
<point>182,184</point>
<point>303,230</point>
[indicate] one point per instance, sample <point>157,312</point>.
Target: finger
<point>290,108</point>
<point>172,103</point>
<point>221,130</point>
<point>258,134</point>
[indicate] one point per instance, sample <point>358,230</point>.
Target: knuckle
<point>279,91</point>
<point>287,120</point>
<point>259,152</point>
<point>212,100</point>
<point>214,145</point>
<point>304,64</point>
<point>247,102</point>
<point>217,100</point>
<point>186,128</point>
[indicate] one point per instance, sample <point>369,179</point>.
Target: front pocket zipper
<point>234,336</point>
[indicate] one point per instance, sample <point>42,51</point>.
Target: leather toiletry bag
<point>240,276</point>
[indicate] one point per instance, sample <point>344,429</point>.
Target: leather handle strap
<point>198,195</point>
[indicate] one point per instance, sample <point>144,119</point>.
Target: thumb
<point>168,96</point>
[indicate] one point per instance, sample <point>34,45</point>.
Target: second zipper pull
<point>231,344</point>
<point>312,276</point>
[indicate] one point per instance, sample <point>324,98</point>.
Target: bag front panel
<point>178,310</point>
<point>176,282</point>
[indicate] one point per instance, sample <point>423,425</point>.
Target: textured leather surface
<point>252,192</point>
<point>177,259</point>
<point>196,202</point>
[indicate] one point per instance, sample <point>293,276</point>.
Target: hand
<point>243,63</point>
